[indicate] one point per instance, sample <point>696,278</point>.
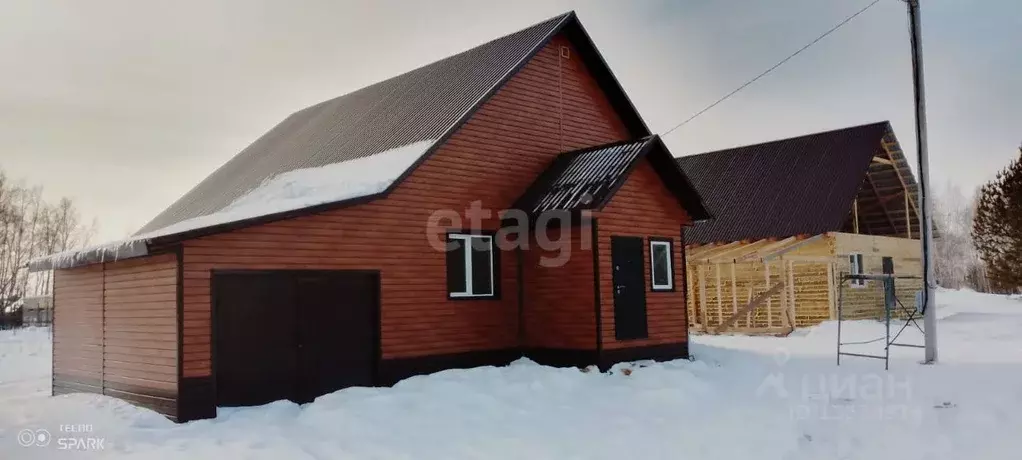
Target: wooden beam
<point>908,219</point>
<point>693,250</point>
<point>798,258</point>
<point>770,310</point>
<point>784,298</point>
<point>904,185</point>
<point>720,298</point>
<point>792,247</point>
<point>690,303</point>
<point>711,250</point>
<point>791,298</point>
<point>748,316</point>
<point>702,294</point>
<point>748,308</point>
<point>734,290</point>
<point>732,255</point>
<point>892,196</point>
<point>855,215</point>
<point>768,249</point>
<point>883,160</point>
<point>831,301</point>
<point>894,226</point>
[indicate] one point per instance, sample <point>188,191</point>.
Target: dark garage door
<point>293,334</point>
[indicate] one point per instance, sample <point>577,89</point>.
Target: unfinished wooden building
<point>792,217</point>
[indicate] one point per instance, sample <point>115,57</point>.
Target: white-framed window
<point>661,264</point>
<point>471,266</point>
<point>855,267</point>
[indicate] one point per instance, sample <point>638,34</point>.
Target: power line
<point>771,69</point>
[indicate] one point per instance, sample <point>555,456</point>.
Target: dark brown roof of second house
<point>799,186</point>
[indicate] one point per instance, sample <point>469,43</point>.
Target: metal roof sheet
<point>587,179</point>
<point>422,104</point>
<point>801,185</point>
<point>584,179</point>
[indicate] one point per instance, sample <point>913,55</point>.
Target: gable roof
<point>587,179</point>
<point>425,105</point>
<point>420,108</point>
<point>801,185</point>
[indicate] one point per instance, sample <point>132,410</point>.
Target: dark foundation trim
<point>561,357</point>
<point>197,396</point>
<point>665,352</point>
<point>197,399</point>
<point>393,370</point>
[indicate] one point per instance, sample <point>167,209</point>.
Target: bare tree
<point>29,227</point>
<point>19,211</point>
<point>61,229</point>
<point>957,262</point>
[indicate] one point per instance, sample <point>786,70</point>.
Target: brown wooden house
<point>791,217</point>
<point>216,304</point>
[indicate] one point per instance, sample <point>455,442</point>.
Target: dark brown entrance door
<point>293,334</point>
<point>629,288</point>
<point>890,297</point>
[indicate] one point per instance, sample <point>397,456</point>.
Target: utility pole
<point>926,219</point>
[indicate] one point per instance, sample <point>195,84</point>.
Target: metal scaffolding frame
<point>891,303</point>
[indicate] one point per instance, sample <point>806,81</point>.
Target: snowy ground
<point>741,398</point>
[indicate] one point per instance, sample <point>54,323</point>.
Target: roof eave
<point>141,247</point>
<point>127,250</point>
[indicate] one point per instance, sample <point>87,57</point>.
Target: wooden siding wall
<point>816,269</point>
<point>810,289</point>
<point>140,330</point>
<point>115,331</point>
<point>867,302</point>
<point>805,267</point>
<point>550,106</point>
<point>78,330</point>
<point>644,207</point>
<point>559,299</point>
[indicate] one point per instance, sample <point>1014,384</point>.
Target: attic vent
<point>565,52</point>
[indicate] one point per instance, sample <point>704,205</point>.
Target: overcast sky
<point>125,105</point>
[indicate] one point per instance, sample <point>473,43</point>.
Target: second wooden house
<point>792,216</point>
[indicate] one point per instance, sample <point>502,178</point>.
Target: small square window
<point>661,265</point>
<point>471,266</point>
<point>855,268</point>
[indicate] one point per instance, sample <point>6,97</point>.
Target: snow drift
<point>739,398</point>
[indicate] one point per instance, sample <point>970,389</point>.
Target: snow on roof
<point>289,191</point>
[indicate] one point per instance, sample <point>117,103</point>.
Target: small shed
<point>792,217</point>
<point>37,311</point>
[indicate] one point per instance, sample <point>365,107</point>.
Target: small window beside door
<point>661,264</point>
<point>855,267</point>
<point>471,266</point>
